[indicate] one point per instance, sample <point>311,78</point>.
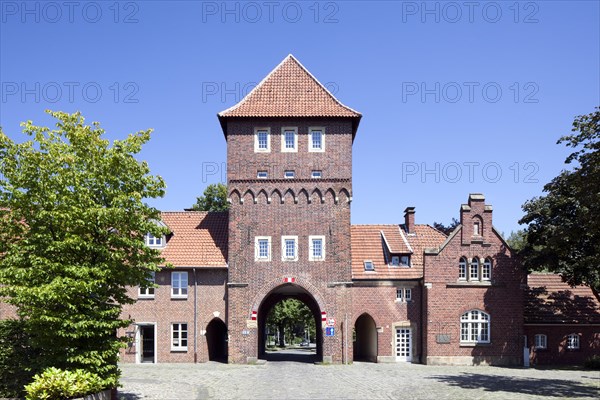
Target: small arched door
<point>216,340</point>
<point>365,345</point>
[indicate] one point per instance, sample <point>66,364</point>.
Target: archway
<point>216,340</point>
<point>365,345</point>
<point>280,293</point>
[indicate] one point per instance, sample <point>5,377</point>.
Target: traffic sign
<point>329,331</point>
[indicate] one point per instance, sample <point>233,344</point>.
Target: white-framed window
<point>462,269</point>
<point>405,261</point>
<point>262,174</point>
<point>476,230</point>
<point>395,261</point>
<point>316,174</point>
<point>179,336</point>
<point>262,248</point>
<point>369,265</point>
<point>316,139</point>
<point>179,284</point>
<point>154,241</point>
<point>403,294</point>
<point>316,249</point>
<point>289,140</point>
<point>147,292</point>
<point>474,269</point>
<point>262,140</point>
<point>540,341</point>
<point>289,248</point>
<point>573,341</point>
<point>486,270</point>
<point>475,327</point>
<point>289,174</point>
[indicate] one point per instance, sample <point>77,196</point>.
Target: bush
<point>16,356</point>
<point>592,362</point>
<point>55,383</point>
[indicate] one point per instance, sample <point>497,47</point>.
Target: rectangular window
<point>316,174</point>
<point>395,261</point>
<point>179,337</point>
<point>486,270</point>
<point>262,174</point>
<point>179,284</point>
<point>289,250</point>
<point>262,140</point>
<point>262,245</point>
<point>154,241</point>
<point>147,292</point>
<point>289,140</point>
<point>474,274</point>
<point>540,341</point>
<point>289,174</point>
<point>317,248</point>
<point>369,266</point>
<point>316,140</point>
<point>404,294</point>
<point>573,342</point>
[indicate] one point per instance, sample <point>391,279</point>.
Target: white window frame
<point>395,261</point>
<point>284,148</point>
<point>311,256</point>
<point>179,346</point>
<point>474,269</point>
<point>257,256</point>
<point>147,292</point>
<point>316,174</point>
<point>371,263</point>
<point>257,149</point>
<point>289,174</point>
<point>540,341</point>
<point>573,341</point>
<point>180,288</point>
<point>486,269</point>
<point>462,269</point>
<point>154,241</point>
<point>475,327</point>
<point>310,139</point>
<point>403,294</point>
<point>262,172</point>
<point>284,256</point>
<point>407,264</point>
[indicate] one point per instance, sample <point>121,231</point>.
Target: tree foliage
<point>517,240</point>
<point>563,234</point>
<point>447,229</point>
<point>290,317</point>
<point>72,226</point>
<point>213,199</point>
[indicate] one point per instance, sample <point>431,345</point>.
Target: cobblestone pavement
<point>292,380</point>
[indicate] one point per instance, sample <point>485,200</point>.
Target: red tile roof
<point>368,244</point>
<point>551,301</point>
<point>198,239</point>
<point>290,91</point>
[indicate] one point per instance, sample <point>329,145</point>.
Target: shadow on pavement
<point>512,384</point>
<point>128,396</point>
<point>296,355</point>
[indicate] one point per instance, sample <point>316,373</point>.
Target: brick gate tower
<point>289,172</point>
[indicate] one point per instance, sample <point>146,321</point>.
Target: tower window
<point>316,140</point>
<point>316,174</point>
<point>262,140</point>
<point>289,248</point>
<point>289,174</point>
<point>316,249</point>
<point>289,140</point>
<point>262,175</point>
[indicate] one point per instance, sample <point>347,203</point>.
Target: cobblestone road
<point>291,380</point>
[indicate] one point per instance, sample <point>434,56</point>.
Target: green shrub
<point>55,383</point>
<point>16,356</point>
<point>592,362</point>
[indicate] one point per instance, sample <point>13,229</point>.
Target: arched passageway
<point>365,345</point>
<point>216,340</point>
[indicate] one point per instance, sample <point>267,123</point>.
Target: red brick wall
<point>316,207</point>
<point>556,351</point>
<point>447,299</point>
<point>163,310</point>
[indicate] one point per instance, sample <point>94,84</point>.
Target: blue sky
<point>457,97</point>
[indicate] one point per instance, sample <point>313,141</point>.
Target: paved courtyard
<point>295,380</point>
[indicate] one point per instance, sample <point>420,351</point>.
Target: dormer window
<point>400,261</point>
<point>395,261</point>
<point>369,266</point>
<point>405,261</point>
<point>154,241</point>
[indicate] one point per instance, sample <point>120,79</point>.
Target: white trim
<point>291,172</point>
<point>187,280</point>
<point>262,177</point>
<point>145,295</point>
<point>576,343</point>
<point>285,129</point>
<point>310,142</point>
<point>310,248</point>
<point>405,240</point>
<point>180,348</point>
<point>479,322</point>
<point>535,340</point>
<point>283,248</point>
<point>257,249</point>
<point>397,346</point>
<point>150,236</point>
<point>256,148</point>
<point>314,171</point>
<point>138,346</point>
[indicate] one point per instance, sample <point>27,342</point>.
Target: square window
<point>179,337</point>
<point>262,140</point>
<point>262,248</point>
<point>262,174</point>
<point>573,342</point>
<point>148,291</point>
<point>316,140</point>
<point>403,294</point>
<point>179,284</point>
<point>289,174</point>
<point>541,341</point>
<point>405,261</point>
<point>289,250</point>
<point>289,140</point>
<point>316,174</point>
<point>316,249</point>
<point>395,261</point>
<point>369,266</point>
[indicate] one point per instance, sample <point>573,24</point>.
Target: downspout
<point>423,316</point>
<point>195,317</point>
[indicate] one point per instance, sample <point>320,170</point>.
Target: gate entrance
<point>365,345</point>
<point>216,340</point>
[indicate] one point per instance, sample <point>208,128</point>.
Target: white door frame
<point>410,344</point>
<point>138,342</point>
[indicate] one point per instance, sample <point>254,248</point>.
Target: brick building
<point>382,293</point>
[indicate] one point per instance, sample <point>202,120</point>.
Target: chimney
<point>409,220</point>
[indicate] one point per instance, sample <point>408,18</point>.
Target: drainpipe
<point>195,317</point>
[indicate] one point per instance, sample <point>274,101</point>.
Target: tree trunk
<point>281,332</point>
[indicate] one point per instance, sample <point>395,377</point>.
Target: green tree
<point>517,240</point>
<point>287,316</point>
<point>213,199</point>
<point>563,234</point>
<point>447,229</point>
<point>72,226</point>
